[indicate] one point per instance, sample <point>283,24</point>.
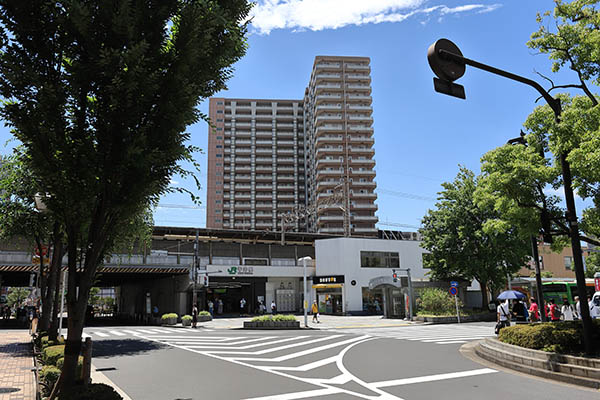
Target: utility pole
<point>195,271</point>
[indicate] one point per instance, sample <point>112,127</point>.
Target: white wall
<point>341,256</point>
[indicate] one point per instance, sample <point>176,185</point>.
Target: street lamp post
<point>305,302</point>
<point>448,63</point>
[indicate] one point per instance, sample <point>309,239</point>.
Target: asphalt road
<point>412,363</point>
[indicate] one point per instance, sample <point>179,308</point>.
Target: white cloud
<point>173,182</point>
<point>316,15</point>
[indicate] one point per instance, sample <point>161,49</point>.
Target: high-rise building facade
<point>255,163</point>
<point>270,157</point>
<point>339,146</point>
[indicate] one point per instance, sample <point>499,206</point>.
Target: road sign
<point>453,291</point>
<point>454,284</point>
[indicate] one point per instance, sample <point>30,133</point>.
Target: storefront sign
<point>318,280</point>
<point>240,271</point>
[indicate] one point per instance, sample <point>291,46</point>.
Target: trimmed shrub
<point>60,362</point>
<point>51,354</point>
<point>94,391</point>
<point>45,342</point>
<point>166,317</point>
<point>48,376</point>
<point>560,337</point>
<point>277,317</point>
<point>186,318</point>
<point>435,301</point>
<point>205,313</point>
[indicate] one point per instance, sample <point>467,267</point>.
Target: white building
<point>346,266</point>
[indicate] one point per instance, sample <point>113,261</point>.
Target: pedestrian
<point>219,306</point>
<point>594,307</point>
<point>502,316</point>
<point>518,311</point>
<point>261,307</point>
<point>273,307</point>
<point>567,311</point>
<point>534,311</point>
<point>194,316</point>
<point>211,307</point>
<point>577,308</point>
<point>242,305</point>
<point>315,311</point>
<point>33,317</point>
<point>553,311</point>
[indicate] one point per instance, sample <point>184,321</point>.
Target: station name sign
<point>328,279</point>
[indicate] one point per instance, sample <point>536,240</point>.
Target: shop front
<point>330,294</point>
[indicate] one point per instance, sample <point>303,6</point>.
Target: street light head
<point>444,68</point>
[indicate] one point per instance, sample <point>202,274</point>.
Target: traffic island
<point>273,322</point>
<point>435,319</point>
<point>580,371</point>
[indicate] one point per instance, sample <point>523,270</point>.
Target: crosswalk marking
<point>117,333</point>
<point>101,334</point>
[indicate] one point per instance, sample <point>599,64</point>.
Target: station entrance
<point>226,293</point>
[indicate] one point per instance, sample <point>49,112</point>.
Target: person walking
<point>194,317</point>
<point>33,317</point>
<point>594,308</point>
<point>519,311</point>
<point>502,316</point>
<point>577,307</point>
<point>211,307</point>
<point>567,311</point>
<point>273,307</point>
<point>315,311</point>
<point>534,311</point>
<point>553,311</point>
<point>219,306</point>
<point>242,305</point>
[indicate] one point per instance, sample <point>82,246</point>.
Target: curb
<point>99,377</point>
<point>538,363</point>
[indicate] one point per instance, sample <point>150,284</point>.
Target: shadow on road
<point>123,347</point>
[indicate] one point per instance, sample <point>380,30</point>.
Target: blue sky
<point>420,136</point>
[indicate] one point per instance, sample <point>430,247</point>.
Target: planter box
<point>204,318</point>
<point>170,321</point>
<point>454,320</point>
<point>272,325</point>
<point>186,322</point>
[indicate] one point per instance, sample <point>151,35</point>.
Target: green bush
<point>94,391</point>
<point>186,318</point>
<point>48,377</point>
<point>51,354</point>
<point>435,301</point>
<point>60,362</point>
<point>45,342</point>
<point>560,337</point>
<point>204,313</point>
<point>277,317</point>
<point>167,316</point>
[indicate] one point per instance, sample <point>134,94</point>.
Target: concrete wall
<point>342,257</point>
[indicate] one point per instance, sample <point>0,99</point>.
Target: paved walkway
<point>17,381</point>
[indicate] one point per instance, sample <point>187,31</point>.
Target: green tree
<point>16,296</point>
<point>100,95</point>
<point>592,265</point>
<point>468,240</point>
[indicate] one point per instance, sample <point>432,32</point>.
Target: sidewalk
<point>326,322</point>
<point>17,380</point>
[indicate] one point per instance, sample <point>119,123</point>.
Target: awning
<point>327,286</point>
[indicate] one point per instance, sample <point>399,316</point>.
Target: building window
<point>217,201</point>
<point>218,220</point>
<point>219,146</point>
<point>568,262</point>
<point>219,119</point>
<point>379,259</point>
<point>219,129</point>
<point>217,211</point>
<point>219,111</point>
<point>219,103</point>
<point>219,137</point>
<point>219,155</point>
<point>219,164</point>
<point>218,192</point>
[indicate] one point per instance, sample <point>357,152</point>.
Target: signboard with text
<point>328,279</point>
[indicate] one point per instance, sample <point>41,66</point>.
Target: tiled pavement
<point>17,381</point>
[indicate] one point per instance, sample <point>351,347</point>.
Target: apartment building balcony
<point>263,205</point>
<point>264,187</point>
<point>359,86</point>
<point>362,140</point>
<point>365,218</point>
<point>264,225</point>
<point>240,225</point>
<point>339,230</point>
<point>327,118</point>
<point>323,151</point>
<point>359,67</point>
<point>357,76</point>
<point>242,125</point>
<point>329,172</point>
<point>242,168</point>
<point>284,125</point>
<point>285,160</point>
<point>325,75</point>
<point>364,185</point>
<point>285,196</point>
<point>260,150</point>
<point>322,163</point>
<point>355,150</point>
<point>357,195</point>
<point>264,142</point>
<point>360,117</point>
<point>285,178</point>
<point>285,206</point>
<point>326,218</point>
<point>364,206</point>
<point>264,196</point>
<point>287,134</point>
<point>241,117</point>
<point>362,162</point>
<point>286,117</point>
<point>263,168</point>
<point>263,117</point>
<point>285,151</point>
<point>285,169</point>
<point>359,107</point>
<point>242,196</point>
<point>365,230</point>
<point>327,65</point>
<point>328,128</point>
<point>243,151</point>
<point>357,96</point>
<point>265,177</point>
<point>242,134</point>
<point>327,97</point>
<point>243,159</point>
<point>263,125</point>
<point>244,206</point>
<point>264,160</point>
<point>328,86</point>
<point>328,139</point>
<point>264,134</point>
<point>285,143</point>
<point>360,128</point>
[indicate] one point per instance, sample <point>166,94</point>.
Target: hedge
<point>560,337</point>
<point>45,342</point>
<point>94,391</point>
<point>186,318</point>
<point>204,313</point>
<point>51,354</point>
<point>167,316</point>
<point>48,376</point>
<point>277,317</point>
<point>60,362</point>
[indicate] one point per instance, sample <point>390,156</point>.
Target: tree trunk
<point>53,329</point>
<point>51,286</point>
<point>484,295</point>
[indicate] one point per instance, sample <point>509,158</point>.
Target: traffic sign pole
<point>454,292</point>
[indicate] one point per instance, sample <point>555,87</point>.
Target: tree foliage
<point>468,240</point>
<point>16,296</point>
<point>100,94</point>
<point>592,265</point>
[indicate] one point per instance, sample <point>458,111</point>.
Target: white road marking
<point>274,349</point>
<point>131,332</point>
<point>117,333</point>
<point>431,378</point>
<point>452,341</point>
<point>301,353</point>
<point>307,367</point>
<point>218,347</point>
<point>299,395</point>
<point>100,334</point>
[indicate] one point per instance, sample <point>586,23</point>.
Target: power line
<point>398,225</point>
<point>405,195</point>
<point>163,205</point>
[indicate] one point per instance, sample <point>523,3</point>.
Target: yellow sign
<point>36,260</point>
